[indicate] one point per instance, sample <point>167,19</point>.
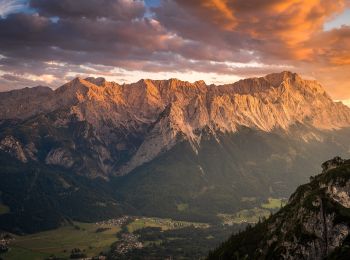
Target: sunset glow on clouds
<point>50,41</point>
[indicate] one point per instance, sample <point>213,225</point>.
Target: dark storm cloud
<point>102,41</point>
<point>77,41</point>
<point>113,9</point>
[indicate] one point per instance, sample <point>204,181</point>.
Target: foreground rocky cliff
<point>315,224</point>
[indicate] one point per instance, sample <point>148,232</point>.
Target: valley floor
<point>133,237</point>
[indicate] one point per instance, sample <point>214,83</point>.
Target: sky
<point>49,42</point>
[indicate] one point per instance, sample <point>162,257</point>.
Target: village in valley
<point>113,237</point>
<point>126,237</point>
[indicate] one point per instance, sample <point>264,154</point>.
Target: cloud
<point>345,102</point>
<point>333,47</point>
<point>175,37</point>
<point>274,28</point>
<point>13,81</point>
<point>129,44</point>
<point>11,6</point>
<point>113,9</point>
<point>217,12</point>
<point>290,24</point>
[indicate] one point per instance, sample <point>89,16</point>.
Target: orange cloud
<point>222,12</point>
<point>292,23</point>
<point>289,23</point>
<point>332,47</point>
<point>217,12</point>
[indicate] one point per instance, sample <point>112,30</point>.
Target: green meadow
<point>164,224</point>
<point>255,214</point>
<point>273,203</point>
<point>90,238</point>
<point>4,209</point>
<point>61,241</point>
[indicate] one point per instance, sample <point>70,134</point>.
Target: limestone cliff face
<point>26,102</point>
<point>12,146</point>
<point>315,223</point>
<point>158,112</point>
<point>274,101</point>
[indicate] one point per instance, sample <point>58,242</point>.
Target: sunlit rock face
<point>276,100</point>
<point>150,116</point>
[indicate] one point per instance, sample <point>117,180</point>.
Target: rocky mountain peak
<point>295,82</point>
<point>97,81</point>
<point>144,81</point>
<point>276,79</point>
<point>332,164</point>
<point>24,103</point>
<point>74,91</point>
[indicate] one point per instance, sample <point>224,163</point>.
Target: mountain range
<point>93,149</point>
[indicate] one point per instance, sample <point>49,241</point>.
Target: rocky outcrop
<point>12,146</point>
<point>31,151</point>
<point>60,157</point>
<point>333,163</point>
<point>26,102</point>
<point>313,225</point>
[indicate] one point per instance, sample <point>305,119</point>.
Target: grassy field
<point>245,216</point>
<point>164,224</point>
<point>182,206</point>
<point>248,199</point>
<point>60,242</point>
<point>253,215</point>
<point>4,209</point>
<point>273,203</point>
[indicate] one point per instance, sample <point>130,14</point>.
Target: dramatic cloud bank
<point>50,41</point>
